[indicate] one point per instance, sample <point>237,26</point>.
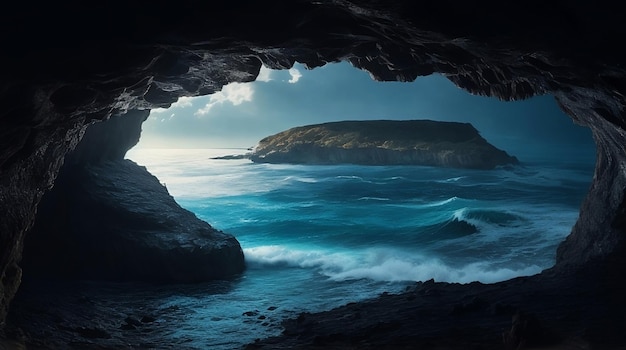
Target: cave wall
<point>108,218</point>
<point>66,64</point>
<point>599,232</point>
<point>28,168</point>
<point>109,140</point>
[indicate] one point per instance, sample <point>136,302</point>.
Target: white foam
<point>373,199</point>
<point>379,265</point>
<point>352,177</point>
<point>460,215</point>
<point>440,203</point>
<point>395,178</point>
<point>275,255</point>
<point>452,179</point>
<point>422,205</point>
<point>349,177</point>
<point>300,179</point>
<point>394,269</point>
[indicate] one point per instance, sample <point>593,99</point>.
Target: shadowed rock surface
<point>66,64</point>
<point>383,142</point>
<point>545,311</point>
<point>109,219</point>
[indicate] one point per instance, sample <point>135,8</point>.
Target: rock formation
<point>108,218</point>
<point>66,64</point>
<point>383,142</point>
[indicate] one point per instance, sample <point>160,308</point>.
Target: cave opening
<point>249,200</point>
<point>61,78</point>
<point>270,208</point>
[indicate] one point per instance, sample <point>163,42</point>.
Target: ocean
<point>316,237</point>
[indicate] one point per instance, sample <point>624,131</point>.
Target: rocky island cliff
<point>383,142</point>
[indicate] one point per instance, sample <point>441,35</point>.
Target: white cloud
<point>295,75</point>
<point>235,93</point>
<point>181,103</point>
<point>264,74</point>
<point>157,110</point>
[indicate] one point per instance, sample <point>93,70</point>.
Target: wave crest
<point>443,202</point>
<point>388,265</point>
<point>301,179</point>
<point>482,217</point>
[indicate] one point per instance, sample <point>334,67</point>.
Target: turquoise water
<point>316,237</point>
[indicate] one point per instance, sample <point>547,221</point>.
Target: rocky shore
<point>545,311</point>
<point>552,310</point>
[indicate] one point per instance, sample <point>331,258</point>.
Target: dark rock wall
<point>28,167</point>
<point>67,63</point>
<point>110,140</point>
<point>600,230</point>
<point>107,218</point>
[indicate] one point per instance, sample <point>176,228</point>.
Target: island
<point>383,142</point>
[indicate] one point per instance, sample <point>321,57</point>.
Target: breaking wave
<point>379,265</point>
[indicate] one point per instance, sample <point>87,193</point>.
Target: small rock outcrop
<point>383,142</point>
<point>109,218</point>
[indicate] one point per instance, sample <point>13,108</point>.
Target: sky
<point>241,114</point>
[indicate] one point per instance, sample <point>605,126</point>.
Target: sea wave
<point>349,177</point>
<point>481,217</point>
<point>300,179</point>
<point>390,265</point>
<point>452,179</point>
<point>443,202</point>
<point>359,179</point>
<point>448,229</point>
<point>395,178</point>
<point>373,199</point>
<point>394,269</point>
<point>282,256</point>
<point>421,203</point>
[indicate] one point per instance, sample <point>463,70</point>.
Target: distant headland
<point>382,142</point>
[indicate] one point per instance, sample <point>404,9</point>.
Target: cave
<point>85,64</point>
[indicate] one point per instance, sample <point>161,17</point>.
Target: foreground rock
<point>108,218</point>
<point>546,311</point>
<point>383,142</point>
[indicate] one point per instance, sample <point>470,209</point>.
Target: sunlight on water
<point>310,216</point>
<point>316,237</point>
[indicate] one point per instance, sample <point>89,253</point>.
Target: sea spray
<point>316,237</point>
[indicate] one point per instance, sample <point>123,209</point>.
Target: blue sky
<point>243,113</point>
